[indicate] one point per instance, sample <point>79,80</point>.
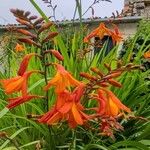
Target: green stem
<point>13,142</point>
<point>73,145</point>
<point>79,7</point>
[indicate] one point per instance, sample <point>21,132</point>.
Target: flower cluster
<point>71,94</point>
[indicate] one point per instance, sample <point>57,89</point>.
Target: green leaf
<point>9,148</point>
<point>97,146</point>
<point>3,112</point>
<point>12,137</point>
<point>129,144</point>
<point>29,144</point>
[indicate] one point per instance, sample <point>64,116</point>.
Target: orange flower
<point>116,35</point>
<point>16,84</point>
<point>13,102</point>
<point>19,48</point>
<point>109,104</point>
<point>68,107</point>
<point>100,32</point>
<point>147,54</point>
<point>62,80</point>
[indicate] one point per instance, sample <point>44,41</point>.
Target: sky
<point>64,10</point>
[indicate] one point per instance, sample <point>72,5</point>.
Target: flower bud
<point>25,32</point>
<point>29,41</point>
<point>88,76</point>
<point>50,36</point>
<point>114,83</point>
<point>45,26</point>
<point>97,71</point>
<point>24,22</point>
<point>57,55</point>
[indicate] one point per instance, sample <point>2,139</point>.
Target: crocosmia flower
<point>16,84</point>
<point>100,32</point>
<point>62,80</point>
<point>109,104</point>
<point>67,107</point>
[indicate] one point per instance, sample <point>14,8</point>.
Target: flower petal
<point>76,115</point>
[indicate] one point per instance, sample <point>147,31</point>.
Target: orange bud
<point>45,26</point>
<point>88,76</point>
<point>113,75</point>
<point>114,83</point>
<point>29,41</point>
<point>103,84</point>
<point>97,71</point>
<point>57,55</point>
<point>25,32</point>
<point>50,36</point>
<point>24,64</point>
<point>24,22</point>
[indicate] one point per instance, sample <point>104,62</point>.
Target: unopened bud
<point>50,36</point>
<point>88,76</point>
<point>29,41</point>
<point>45,26</point>
<point>24,22</point>
<point>114,83</point>
<point>25,32</point>
<point>103,84</point>
<point>57,55</point>
<point>97,71</point>
<point>113,75</point>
